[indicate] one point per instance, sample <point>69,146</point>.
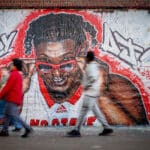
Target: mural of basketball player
<point>60,42</point>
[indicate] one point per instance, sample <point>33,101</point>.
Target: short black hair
<point>17,63</point>
<point>90,55</point>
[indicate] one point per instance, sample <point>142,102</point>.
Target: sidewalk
<point>53,138</point>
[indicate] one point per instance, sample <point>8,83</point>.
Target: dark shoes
<point>76,133</point>
<point>27,133</point>
<point>4,133</point>
<point>73,133</point>
<point>16,130</point>
<point>106,131</point>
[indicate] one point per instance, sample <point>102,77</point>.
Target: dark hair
<point>90,55</point>
<point>56,27</point>
<point>18,63</point>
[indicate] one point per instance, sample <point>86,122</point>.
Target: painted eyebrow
<point>68,56</point>
<point>44,57</point>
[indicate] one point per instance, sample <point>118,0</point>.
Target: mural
<point>53,44</point>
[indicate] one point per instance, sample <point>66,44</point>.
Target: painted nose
<point>56,72</point>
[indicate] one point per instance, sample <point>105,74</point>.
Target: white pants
<point>90,103</point>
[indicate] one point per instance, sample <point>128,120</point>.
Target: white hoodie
<point>91,79</point>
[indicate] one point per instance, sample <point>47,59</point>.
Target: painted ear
<point>83,49</point>
<point>81,63</point>
<point>28,67</point>
<point>24,69</point>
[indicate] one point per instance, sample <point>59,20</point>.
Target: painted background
<point>122,49</point>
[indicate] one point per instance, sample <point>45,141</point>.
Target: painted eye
<point>67,67</point>
<point>44,68</point>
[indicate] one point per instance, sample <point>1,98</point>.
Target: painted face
<point>58,68</point>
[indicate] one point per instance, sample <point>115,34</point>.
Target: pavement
<point>54,138</point>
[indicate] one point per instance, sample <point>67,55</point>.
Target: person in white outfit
<point>91,85</point>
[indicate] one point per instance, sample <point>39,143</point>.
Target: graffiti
<point>144,72</point>
<point>6,43</point>
<point>124,49</point>
<point>54,93</point>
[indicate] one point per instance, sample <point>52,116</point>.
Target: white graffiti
<point>6,43</point>
<point>124,49</point>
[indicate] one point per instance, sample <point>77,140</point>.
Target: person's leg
<point>4,131</point>
<point>12,112</point>
<point>28,129</point>
<point>76,131</point>
<point>87,105</point>
<point>80,119</point>
<point>18,126</point>
<point>83,111</point>
<point>101,118</point>
<point>17,119</point>
<point>2,108</point>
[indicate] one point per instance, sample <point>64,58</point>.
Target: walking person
<point>4,73</point>
<point>12,92</point>
<point>91,90</point>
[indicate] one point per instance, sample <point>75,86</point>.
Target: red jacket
<point>13,90</point>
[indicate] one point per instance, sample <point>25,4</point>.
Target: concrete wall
<point>122,50</point>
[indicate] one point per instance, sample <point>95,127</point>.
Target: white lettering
<point>6,43</point>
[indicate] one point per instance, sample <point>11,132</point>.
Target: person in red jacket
<point>12,92</point>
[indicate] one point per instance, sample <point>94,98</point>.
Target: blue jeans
<point>2,108</point>
<point>2,114</point>
<point>11,112</point>
<point>16,123</point>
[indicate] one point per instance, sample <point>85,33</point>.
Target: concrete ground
<point>53,138</point>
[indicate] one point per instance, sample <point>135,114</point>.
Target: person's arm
<point>91,76</point>
<point>9,84</point>
<point>90,81</point>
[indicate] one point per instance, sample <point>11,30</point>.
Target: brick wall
<point>77,4</point>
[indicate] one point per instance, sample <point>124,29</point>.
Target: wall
<point>88,4</point>
<point>120,40</point>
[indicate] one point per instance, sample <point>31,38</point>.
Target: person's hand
<point>29,67</point>
<point>85,88</point>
